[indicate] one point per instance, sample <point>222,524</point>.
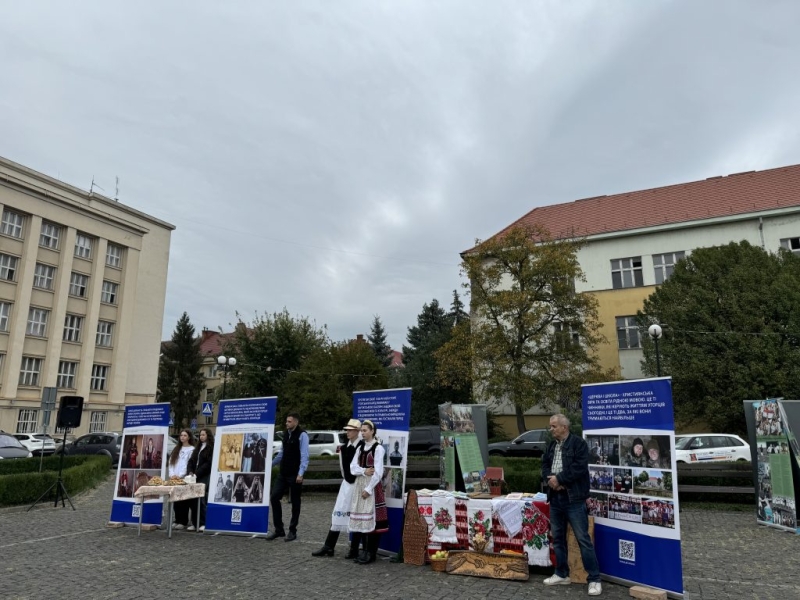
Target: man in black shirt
<point>293,461</point>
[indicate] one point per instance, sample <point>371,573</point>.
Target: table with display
<point>172,494</point>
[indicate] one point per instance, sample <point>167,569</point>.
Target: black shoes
<point>292,536</point>
<point>324,551</point>
<point>367,557</point>
<point>351,554</point>
<point>275,534</point>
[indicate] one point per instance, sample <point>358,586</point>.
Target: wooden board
<point>494,566</point>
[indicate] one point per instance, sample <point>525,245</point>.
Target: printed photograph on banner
<point>255,452</point>
<point>659,513</point>
<point>462,419</point>
<point>625,508</point>
<point>141,478</point>
<point>650,451</point>
<point>223,490</point>
<point>623,481</point>
<point>783,511</point>
<point>603,449</point>
<point>768,419</point>
<point>601,479</point>
<point>152,451</point>
<point>131,445</point>
<point>396,453</point>
<point>392,483</point>
<point>652,482</point>
<point>125,484</point>
<point>598,505</point>
<point>248,488</point>
<point>230,452</point>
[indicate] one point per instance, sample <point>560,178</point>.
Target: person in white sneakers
<point>565,470</point>
<point>178,466</point>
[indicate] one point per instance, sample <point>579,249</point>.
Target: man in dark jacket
<point>293,461</point>
<point>565,470</point>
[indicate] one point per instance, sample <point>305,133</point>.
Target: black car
<point>103,442</point>
<point>424,439</point>
<point>531,443</point>
<point>10,447</point>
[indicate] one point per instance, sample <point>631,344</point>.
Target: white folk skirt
<point>340,518</point>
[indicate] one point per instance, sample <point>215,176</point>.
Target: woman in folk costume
<point>340,518</point>
<point>368,515</point>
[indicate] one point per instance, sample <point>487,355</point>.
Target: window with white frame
<point>791,244</point>
<point>37,322</point>
<point>12,224</point>
<point>27,420</point>
<point>114,256</point>
<point>99,378</point>
<point>565,335</point>
<point>105,330</point>
<point>78,283</point>
<point>628,333</point>
<point>626,272</point>
<point>72,328</point>
<point>49,235</point>
<point>43,276</point>
<point>66,374</point>
<point>83,246</point>
<point>8,267</point>
<point>29,371</point>
<point>109,293</point>
<point>664,264</point>
<point>97,421</point>
<point>5,315</point>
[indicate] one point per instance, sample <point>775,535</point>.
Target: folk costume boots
<point>329,545</point>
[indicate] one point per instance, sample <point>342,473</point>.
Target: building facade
<point>82,289</point>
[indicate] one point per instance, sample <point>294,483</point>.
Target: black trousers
<point>282,486</point>
<point>182,508</point>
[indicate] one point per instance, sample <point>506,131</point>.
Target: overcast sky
<point>334,157</point>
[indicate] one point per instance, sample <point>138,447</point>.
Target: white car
<point>711,447</point>
<point>37,443</point>
<point>320,443</point>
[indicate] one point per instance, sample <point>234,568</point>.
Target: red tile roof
<point>213,342</point>
<point>722,196</point>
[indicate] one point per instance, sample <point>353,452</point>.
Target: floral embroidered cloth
<point>479,520</point>
<point>444,520</point>
<point>174,492</point>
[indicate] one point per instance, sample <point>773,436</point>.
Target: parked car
<point>10,447</point>
<point>38,443</point>
<point>103,442</point>
<point>59,440</point>
<point>711,447</point>
<point>325,443</point>
<point>277,443</point>
<point>424,439</point>
<point>531,443</point>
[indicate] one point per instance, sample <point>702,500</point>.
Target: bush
<point>521,474</point>
<point>25,484</point>
<point>31,465</point>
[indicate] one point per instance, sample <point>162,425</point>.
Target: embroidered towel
<point>510,515</point>
<point>479,520</point>
<point>444,520</point>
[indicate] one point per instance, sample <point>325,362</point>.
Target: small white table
<point>171,493</point>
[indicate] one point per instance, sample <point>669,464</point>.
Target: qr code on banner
<point>236,515</point>
<point>627,550</point>
<point>137,510</point>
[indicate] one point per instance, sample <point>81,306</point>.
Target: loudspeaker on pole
<point>70,410</point>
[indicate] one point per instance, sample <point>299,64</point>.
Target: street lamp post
<point>225,362</point>
<point>655,333</point>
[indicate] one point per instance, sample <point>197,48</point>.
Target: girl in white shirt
<point>368,515</point>
<point>179,467</point>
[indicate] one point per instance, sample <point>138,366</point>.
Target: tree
<point>180,379</point>
<point>644,476</point>
<point>667,480</point>
<point>267,349</point>
<point>533,336</point>
<point>457,312</point>
<point>377,340</point>
<point>731,322</point>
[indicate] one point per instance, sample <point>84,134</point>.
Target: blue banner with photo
<point>390,411</point>
<point>629,427</point>
<point>239,484</point>
<point>142,456</point>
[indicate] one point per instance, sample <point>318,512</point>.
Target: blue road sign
<point>194,423</point>
<point>171,422</point>
<point>208,409</point>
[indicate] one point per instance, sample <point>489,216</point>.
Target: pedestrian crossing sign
<point>208,409</point>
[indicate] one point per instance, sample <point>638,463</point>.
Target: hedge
<point>520,474</point>
<point>23,484</point>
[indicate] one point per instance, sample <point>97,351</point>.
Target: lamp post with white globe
<point>655,332</point>
<point>225,362</point>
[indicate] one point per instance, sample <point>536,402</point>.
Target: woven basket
<point>415,532</point>
<point>439,564</point>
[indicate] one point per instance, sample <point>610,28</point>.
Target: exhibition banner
<point>142,456</point>
<point>630,429</point>
<point>238,496</point>
<point>390,410</point>
<point>464,468</point>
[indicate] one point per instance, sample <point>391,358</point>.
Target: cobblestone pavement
<point>60,554</point>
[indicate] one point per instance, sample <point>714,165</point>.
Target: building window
<point>29,371</point>
<point>104,332</point>
<point>628,333</point>
<point>109,293</point>
<point>78,284</point>
<point>83,246</point>
<point>28,420</point>
<point>97,421</point>
<point>791,244</point>
<point>12,224</point>
<point>66,374</point>
<point>626,272</point>
<point>72,328</point>
<point>99,377</point>
<point>114,256</point>
<point>5,315</point>
<point>43,276</point>
<point>664,264</point>
<point>8,267</point>
<point>212,371</point>
<point>37,322</point>
<point>564,335</point>
<point>49,235</point>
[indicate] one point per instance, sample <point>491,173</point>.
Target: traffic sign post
<point>208,409</point>
<point>194,424</point>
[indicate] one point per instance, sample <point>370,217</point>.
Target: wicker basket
<point>439,564</point>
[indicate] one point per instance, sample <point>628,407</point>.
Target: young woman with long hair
<point>179,467</point>
<point>368,515</point>
<point>200,466</point>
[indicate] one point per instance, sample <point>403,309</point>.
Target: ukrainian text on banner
<point>238,494</point>
<point>142,456</point>
<point>390,410</point>
<point>776,494</point>
<point>630,429</point>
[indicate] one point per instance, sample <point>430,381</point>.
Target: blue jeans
<point>562,511</point>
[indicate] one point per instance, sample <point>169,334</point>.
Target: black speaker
<point>69,412</point>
